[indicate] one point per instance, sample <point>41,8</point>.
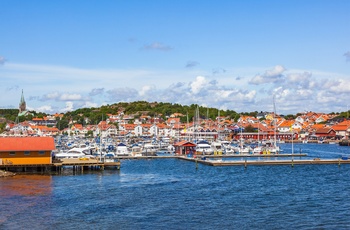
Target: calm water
<point>172,194</point>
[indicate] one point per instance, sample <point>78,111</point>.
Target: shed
<point>26,150</point>
<point>184,147</point>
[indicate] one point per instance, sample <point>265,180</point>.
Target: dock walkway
<point>58,165</point>
<point>292,162</point>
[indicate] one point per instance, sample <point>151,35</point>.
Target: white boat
<point>72,153</point>
<point>227,147</point>
<point>122,150</point>
<point>243,149</point>
<point>150,150</point>
<point>203,148</point>
<point>217,147</point>
<point>136,151</point>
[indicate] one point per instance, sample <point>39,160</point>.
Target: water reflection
<point>26,185</point>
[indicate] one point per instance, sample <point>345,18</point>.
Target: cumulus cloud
<point>270,76</point>
<point>198,84</point>
<point>347,56</point>
<point>157,46</point>
<point>325,97</point>
<point>339,86</point>
<point>96,91</point>
<point>69,107</point>
<point>298,77</point>
<point>44,109</point>
<point>50,96</point>
<point>191,64</point>
<point>145,89</point>
<point>57,96</point>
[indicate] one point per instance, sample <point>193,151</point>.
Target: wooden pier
<point>79,165</point>
<point>58,165</point>
<point>292,162</point>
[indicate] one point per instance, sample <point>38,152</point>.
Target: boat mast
<point>274,119</point>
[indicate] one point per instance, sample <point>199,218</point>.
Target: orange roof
<point>345,122</point>
<point>340,127</point>
<point>287,123</point>
<point>26,144</point>
<point>184,143</point>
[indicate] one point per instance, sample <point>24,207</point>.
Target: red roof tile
<point>26,144</point>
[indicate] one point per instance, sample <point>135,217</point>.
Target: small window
<point>26,153</point>
<point>12,153</point>
<point>41,152</point>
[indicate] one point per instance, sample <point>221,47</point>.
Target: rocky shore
<point>6,173</point>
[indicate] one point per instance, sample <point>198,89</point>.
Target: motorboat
<point>149,149</point>
<point>72,153</point>
<point>204,148</point>
<point>136,151</point>
<point>217,147</point>
<point>122,150</point>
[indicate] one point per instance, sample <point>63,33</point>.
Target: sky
<point>242,55</point>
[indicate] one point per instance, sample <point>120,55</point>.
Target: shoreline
<point>6,173</point>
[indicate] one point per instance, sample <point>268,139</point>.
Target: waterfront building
<point>184,147</point>
<point>26,150</point>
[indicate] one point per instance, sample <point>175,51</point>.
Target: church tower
<point>22,106</point>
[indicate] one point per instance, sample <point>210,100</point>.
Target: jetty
<point>246,159</point>
<point>58,165</point>
<point>292,162</point>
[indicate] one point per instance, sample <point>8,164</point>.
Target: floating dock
<point>292,162</point>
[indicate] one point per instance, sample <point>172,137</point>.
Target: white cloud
<point>145,89</point>
<point>96,91</point>
<point>69,107</point>
<point>45,109</point>
<point>198,84</point>
<point>299,77</point>
<point>70,97</point>
<point>294,89</point>
<point>270,76</point>
<point>51,96</point>
<point>340,86</point>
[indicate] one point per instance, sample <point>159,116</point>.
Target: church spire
<point>22,105</point>
<point>22,98</point>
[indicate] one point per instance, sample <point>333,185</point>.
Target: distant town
<point>177,125</point>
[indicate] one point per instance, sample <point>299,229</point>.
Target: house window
<point>12,153</point>
<point>41,152</point>
<point>26,153</point>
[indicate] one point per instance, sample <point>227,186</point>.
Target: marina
<point>157,192</point>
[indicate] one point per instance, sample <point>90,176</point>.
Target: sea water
<point>174,194</point>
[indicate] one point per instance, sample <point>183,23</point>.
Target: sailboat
<point>274,149</point>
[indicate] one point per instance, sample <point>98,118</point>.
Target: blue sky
<point>233,55</point>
